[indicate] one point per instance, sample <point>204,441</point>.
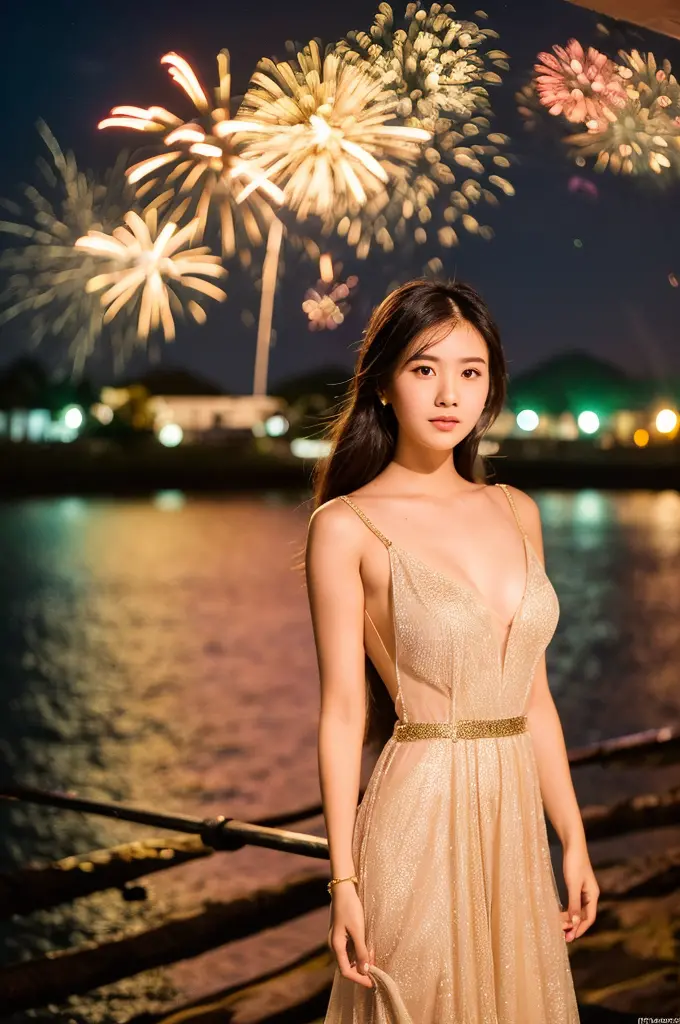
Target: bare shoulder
<point>333,525</point>
<point>527,508</point>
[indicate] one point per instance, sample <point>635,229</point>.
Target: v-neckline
<point>466,588</point>
<point>476,594</point>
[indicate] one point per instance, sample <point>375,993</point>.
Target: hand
<point>347,934</point>
<point>583,892</point>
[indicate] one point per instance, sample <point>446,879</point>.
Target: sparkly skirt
<point>460,901</point>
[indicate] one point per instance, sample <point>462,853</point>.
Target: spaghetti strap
<point>362,515</point>
<point>510,498</point>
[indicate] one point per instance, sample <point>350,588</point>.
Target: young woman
<point>432,611</point>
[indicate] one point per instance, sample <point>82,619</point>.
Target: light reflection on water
<point>160,652</point>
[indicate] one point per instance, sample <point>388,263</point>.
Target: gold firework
<point>152,266</point>
<point>206,154</point>
<point>645,135</point>
<point>655,86</point>
<point>323,133</point>
<point>46,275</point>
<point>438,67</point>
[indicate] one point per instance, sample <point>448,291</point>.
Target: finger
<point>587,918</point>
<point>573,912</point>
<point>346,969</point>
<point>363,955</point>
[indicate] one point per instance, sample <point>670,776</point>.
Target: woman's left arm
<point>557,789</point>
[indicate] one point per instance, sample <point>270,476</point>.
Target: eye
<point>469,369</point>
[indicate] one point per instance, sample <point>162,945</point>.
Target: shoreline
<point>108,468</point>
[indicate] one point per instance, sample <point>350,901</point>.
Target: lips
<point>445,423</point>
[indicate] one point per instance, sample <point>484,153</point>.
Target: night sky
<point>70,62</point>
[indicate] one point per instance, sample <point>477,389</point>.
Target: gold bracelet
<point>334,881</point>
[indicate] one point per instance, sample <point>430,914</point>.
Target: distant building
<point>197,406</point>
<point>200,415</point>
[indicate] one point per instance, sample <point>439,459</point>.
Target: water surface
<point>159,652</point>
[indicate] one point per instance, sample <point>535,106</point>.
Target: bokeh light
<point>73,417</point>
<point>588,421</point>
<point>666,421</point>
<point>527,419</point>
<point>170,435</point>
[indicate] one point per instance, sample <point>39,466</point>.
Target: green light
<point>73,416</point>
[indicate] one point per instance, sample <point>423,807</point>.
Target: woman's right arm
<point>336,599</point>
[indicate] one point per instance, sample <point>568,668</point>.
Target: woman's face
<point>449,379</point>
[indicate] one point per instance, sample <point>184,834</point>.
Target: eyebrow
<point>436,359</point>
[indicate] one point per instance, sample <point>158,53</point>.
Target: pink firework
<point>325,305</point>
<point>584,87</point>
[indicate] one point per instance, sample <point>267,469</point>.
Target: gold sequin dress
<point>450,844</point>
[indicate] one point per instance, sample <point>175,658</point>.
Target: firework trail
<point>203,158</point>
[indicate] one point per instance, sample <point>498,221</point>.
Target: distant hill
<point>577,380</point>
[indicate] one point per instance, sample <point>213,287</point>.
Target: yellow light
<point>641,438</point>
<point>666,421</point>
<point>104,413</point>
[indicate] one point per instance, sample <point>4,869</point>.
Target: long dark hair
<point>363,432</point>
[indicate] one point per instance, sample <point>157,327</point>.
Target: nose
<point>447,393</point>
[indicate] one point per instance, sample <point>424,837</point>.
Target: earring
<point>383,400</point>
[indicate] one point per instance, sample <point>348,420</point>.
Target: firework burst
<point>204,157</point>
<point>637,142</point>
<point>326,305</point>
<point>630,110</point>
<point>645,136</point>
<point>584,86</point>
<point>440,72</point>
<point>324,133</point>
<point>655,87</point>
<point>149,265</point>
<point>46,275</point>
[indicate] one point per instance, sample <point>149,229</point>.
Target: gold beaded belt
<point>465,729</point>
